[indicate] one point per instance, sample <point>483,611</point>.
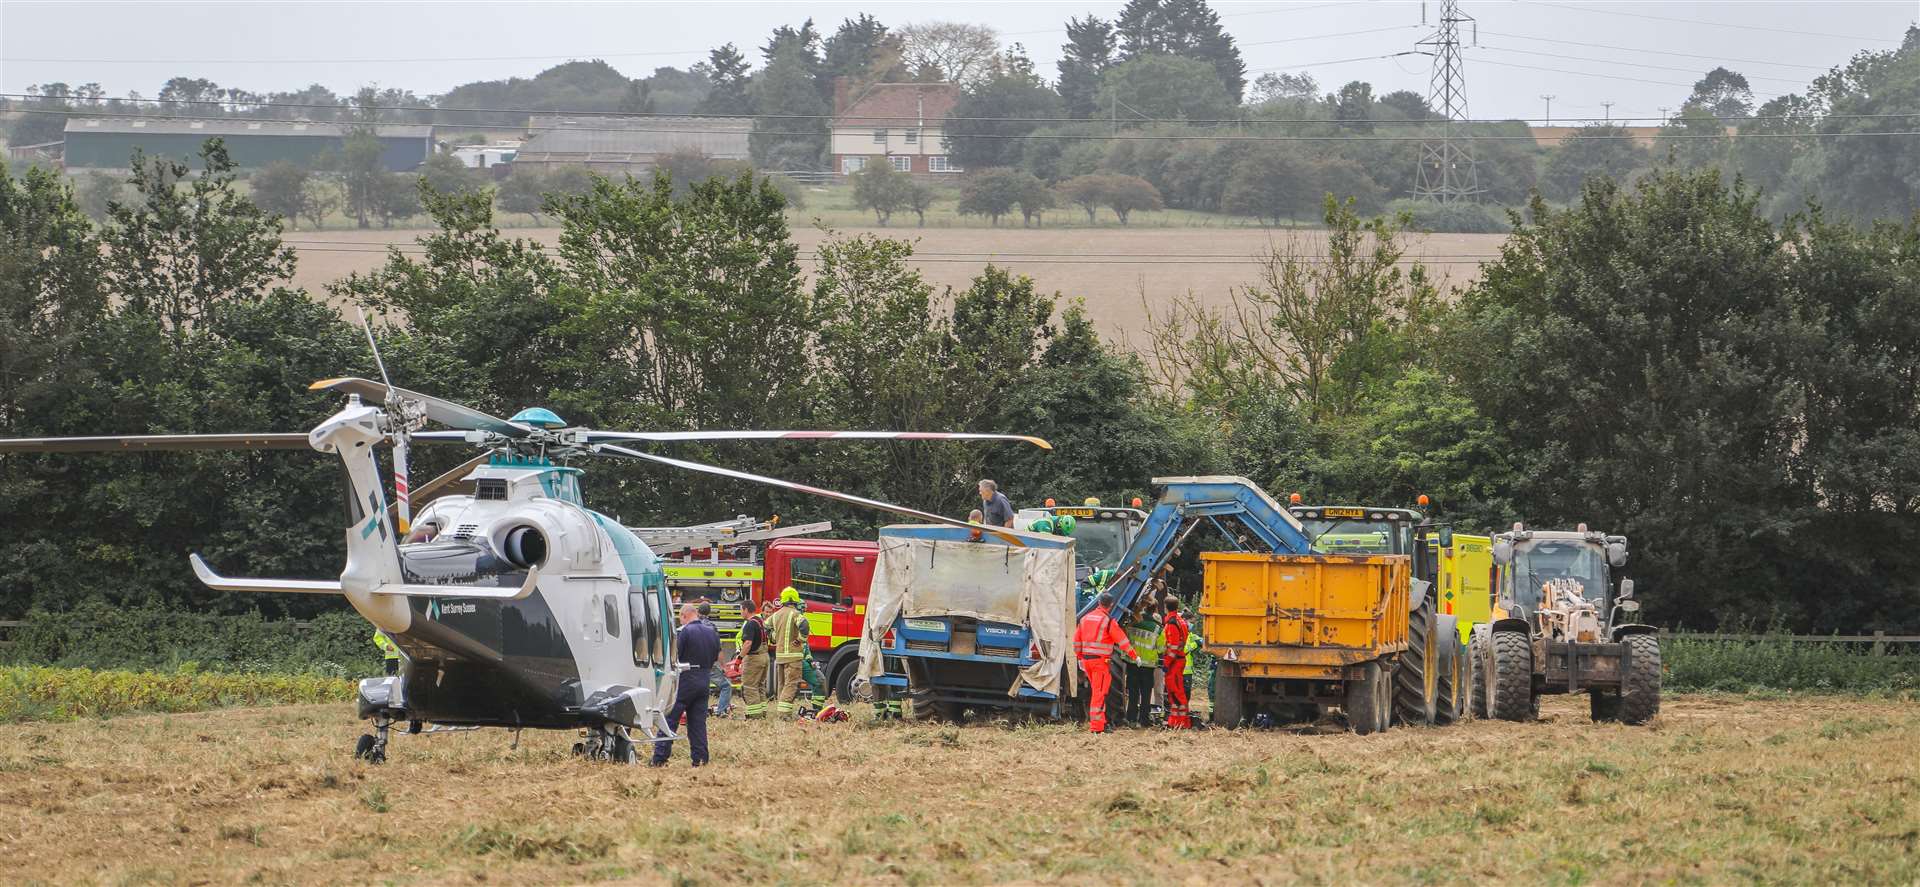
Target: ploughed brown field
<point>1110,268</point>
<point>1717,790</point>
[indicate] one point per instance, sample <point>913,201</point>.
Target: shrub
<point>98,635</point>
<point>1783,663</point>
<point>60,694</point>
<point>1450,218</point>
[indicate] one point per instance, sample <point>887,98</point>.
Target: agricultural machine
<point>1561,624</point>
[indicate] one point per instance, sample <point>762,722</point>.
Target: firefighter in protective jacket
<point>1094,641</point>
<point>789,629</point>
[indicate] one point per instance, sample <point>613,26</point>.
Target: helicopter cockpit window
<point>611,603</point>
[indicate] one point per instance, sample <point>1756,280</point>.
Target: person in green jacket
<point>1146,633</point>
<point>389,651</point>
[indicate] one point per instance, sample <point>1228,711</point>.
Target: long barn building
<point>108,143</point>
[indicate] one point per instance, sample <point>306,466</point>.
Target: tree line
<point>1658,359</point>
<point>1168,76</point>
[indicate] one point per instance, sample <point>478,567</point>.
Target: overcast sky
<point>1639,56</point>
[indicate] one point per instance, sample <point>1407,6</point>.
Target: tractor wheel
<point>1480,652</point>
<point>1604,704</point>
<point>1416,680</point>
<point>1640,691</point>
<point>1512,677</point>
<point>1229,701</point>
<point>1453,660</point>
<point>1369,701</point>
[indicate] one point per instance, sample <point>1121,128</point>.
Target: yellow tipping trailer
<point>1296,634</point>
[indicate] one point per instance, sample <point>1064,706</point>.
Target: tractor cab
<point>1532,565</point>
<point>1101,534</point>
<point>1341,529</point>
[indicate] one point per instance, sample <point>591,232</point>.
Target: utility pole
<point>1609,107</point>
<point>1549,99</point>
<point>1447,173</point>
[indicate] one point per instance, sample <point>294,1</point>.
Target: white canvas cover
<point>998,583</point>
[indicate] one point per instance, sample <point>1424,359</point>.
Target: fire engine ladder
<point>720,535</point>
<point>1185,502</point>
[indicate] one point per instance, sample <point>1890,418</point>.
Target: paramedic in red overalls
<point>1174,660</point>
<point>1094,641</point>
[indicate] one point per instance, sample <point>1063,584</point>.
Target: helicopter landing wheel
<point>372,747</point>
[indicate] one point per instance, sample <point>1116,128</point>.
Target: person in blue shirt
<point>697,644</point>
<point>995,505</point>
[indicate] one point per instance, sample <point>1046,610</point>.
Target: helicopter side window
<point>643,627</point>
<point>612,613</point>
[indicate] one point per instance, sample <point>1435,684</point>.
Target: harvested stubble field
<point>1718,789</point>
<point>1110,268</point>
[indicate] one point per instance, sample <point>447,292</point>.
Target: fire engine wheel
<point>1416,684</point>
<point>843,682</point>
<point>1229,701</point>
<point>1512,676</point>
<point>1369,701</point>
<point>1640,692</point>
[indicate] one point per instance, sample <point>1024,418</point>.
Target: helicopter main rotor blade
<point>445,412</point>
<point>1009,536</point>
<point>155,442</point>
<point>669,436</point>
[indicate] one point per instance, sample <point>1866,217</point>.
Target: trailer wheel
<point>1369,701</point>
<point>1229,701</point>
<point>1416,679</point>
<point>1512,676</point>
<point>1640,692</point>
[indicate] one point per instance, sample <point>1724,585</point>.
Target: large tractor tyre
<point>1480,651</point>
<point>1416,681</point>
<point>1451,706</point>
<point>1369,703</point>
<point>1512,676</point>
<point>1230,698</point>
<point>1604,705</point>
<point>1640,691</point>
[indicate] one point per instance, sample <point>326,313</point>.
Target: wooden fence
<point>1880,641</point>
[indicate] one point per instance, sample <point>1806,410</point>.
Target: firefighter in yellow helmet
<point>789,630</point>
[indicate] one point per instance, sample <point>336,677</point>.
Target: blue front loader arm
<point>1186,501</point>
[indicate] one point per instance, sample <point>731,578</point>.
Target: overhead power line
<point>1648,66</point>
<point>1642,49</point>
<point>1694,21</point>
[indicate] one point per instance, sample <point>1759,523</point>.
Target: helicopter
<point>516,605</point>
